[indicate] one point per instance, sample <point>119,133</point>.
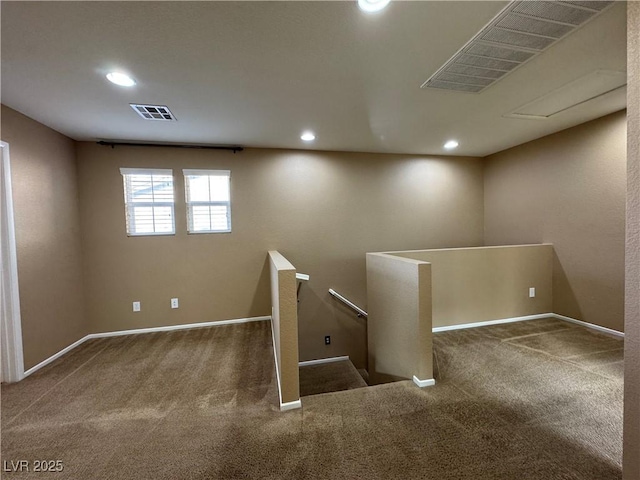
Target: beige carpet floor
<point>329,377</point>
<point>536,400</point>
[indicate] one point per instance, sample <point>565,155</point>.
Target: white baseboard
<point>79,342</point>
<point>608,331</point>
<point>275,360</point>
<point>187,326</point>
<point>55,356</point>
<point>423,383</point>
<point>492,322</point>
<point>319,361</point>
<point>592,326</point>
<point>290,405</point>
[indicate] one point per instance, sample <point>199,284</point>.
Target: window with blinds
<point>148,200</point>
<point>208,198</point>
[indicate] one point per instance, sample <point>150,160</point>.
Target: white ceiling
<point>259,73</point>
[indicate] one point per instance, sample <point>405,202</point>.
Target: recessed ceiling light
<point>451,144</point>
<point>308,137</point>
<point>121,79</point>
<point>372,5</point>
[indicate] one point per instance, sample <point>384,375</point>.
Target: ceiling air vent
<point>154,112</point>
<point>518,33</point>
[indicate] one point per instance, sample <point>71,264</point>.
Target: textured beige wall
<point>631,462</point>
<point>479,284</point>
<point>322,210</point>
<point>47,223</point>
<point>285,324</point>
<point>399,322</point>
<point>568,189</point>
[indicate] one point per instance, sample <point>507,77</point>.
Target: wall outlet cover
<point>174,303</point>
<point>532,292</point>
<point>327,340</point>
<point>136,306</point>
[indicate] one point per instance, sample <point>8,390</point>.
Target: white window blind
<point>208,198</point>
<point>148,199</point>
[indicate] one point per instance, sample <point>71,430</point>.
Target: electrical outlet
<point>532,292</point>
<point>174,303</point>
<point>136,306</point>
<point>327,340</point>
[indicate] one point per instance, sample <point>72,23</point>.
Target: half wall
<point>284,321</point>
<point>488,283</point>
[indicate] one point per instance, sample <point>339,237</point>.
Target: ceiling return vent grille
<point>154,112</point>
<point>518,33</point>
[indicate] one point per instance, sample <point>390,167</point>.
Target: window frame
<point>187,173</point>
<point>130,206</point>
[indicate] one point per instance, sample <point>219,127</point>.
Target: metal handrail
<point>300,277</point>
<point>349,303</point>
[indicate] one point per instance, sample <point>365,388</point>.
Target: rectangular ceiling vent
<point>154,112</point>
<point>518,33</point>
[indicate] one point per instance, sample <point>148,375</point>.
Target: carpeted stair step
<point>364,374</point>
<point>329,377</point>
